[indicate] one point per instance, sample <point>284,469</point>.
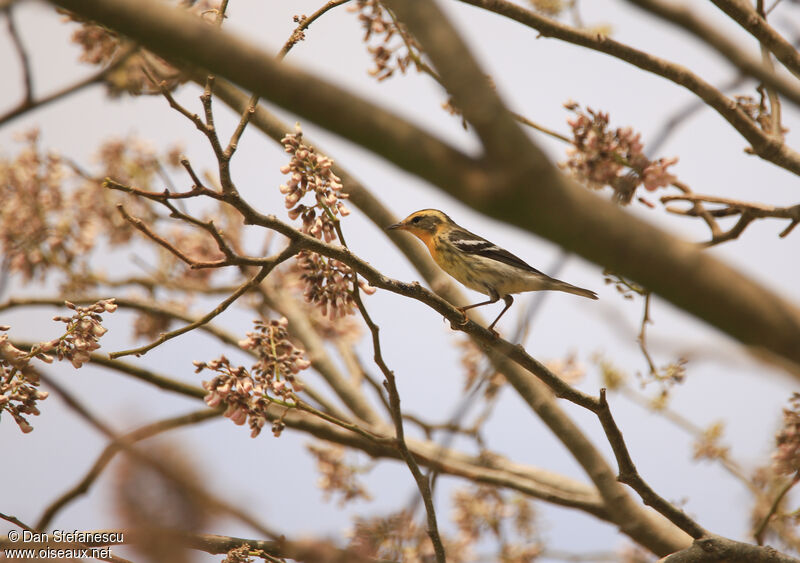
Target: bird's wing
<point>473,244</point>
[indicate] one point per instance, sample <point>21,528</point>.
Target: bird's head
<point>423,223</point>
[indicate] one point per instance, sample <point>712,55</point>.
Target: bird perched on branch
<point>478,263</point>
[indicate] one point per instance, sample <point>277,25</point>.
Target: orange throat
<point>425,237</point>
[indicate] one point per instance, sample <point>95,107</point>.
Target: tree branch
<point>729,49</point>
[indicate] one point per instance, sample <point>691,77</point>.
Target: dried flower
<point>54,214</point>
<point>611,376</point>
<point>471,360</point>
<point>548,7</point>
<point>482,509</point>
<point>198,246</point>
<point>239,554</point>
<point>150,326</point>
<point>707,445</point>
<point>400,537</point>
<point>337,476</point>
<point>786,458</point>
<point>570,369</point>
<point>83,331</point>
<point>602,157</point>
<point>759,111</point>
<point>396,47</point>
<point>328,283</point>
<point>32,234</point>
<point>19,380</point>
<point>18,384</point>
<point>141,72</point>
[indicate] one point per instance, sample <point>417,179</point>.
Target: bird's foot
<point>454,325</point>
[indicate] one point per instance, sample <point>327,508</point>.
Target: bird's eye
<point>416,219</point>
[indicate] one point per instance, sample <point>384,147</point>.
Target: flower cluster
<point>53,214</point>
<point>198,246</point>
<point>549,7</point>
<point>708,446</point>
<point>298,34</point>
<point>141,72</point>
<point>247,393</point>
<point>399,537</point>
<point>786,458</point>
<point>485,509</point>
<point>570,369</point>
<point>327,282</point>
<point>19,380</point>
<point>472,359</point>
<point>336,476</point>
<point>83,332</point>
<point>278,358</point>
<point>30,188</point>
<point>18,383</point>
<point>396,48</point>
<point>311,174</point>
<point>759,111</point>
<point>150,326</point>
<point>604,157</point>
<point>239,554</point>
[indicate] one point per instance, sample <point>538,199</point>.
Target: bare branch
<point>423,484</point>
<point>746,211</point>
<point>763,144</point>
<point>715,548</point>
<point>22,53</point>
<point>630,476</point>
<point>758,533</point>
<point>756,24</point>
<point>683,17</point>
<point>304,24</point>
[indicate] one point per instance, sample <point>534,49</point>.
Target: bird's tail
<point>559,285</point>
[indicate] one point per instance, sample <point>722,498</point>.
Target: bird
<point>479,264</point>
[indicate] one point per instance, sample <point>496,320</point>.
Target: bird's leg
<point>509,301</point>
<point>493,298</point>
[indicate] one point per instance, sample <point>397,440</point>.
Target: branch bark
<point>597,230</point>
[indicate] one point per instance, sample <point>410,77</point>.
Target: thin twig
<point>758,533</point>
<point>394,400</point>
<point>746,211</point>
<point>630,476</point>
<point>642,338</point>
<point>683,17</point>
<point>244,288</point>
<point>766,58</point>
<point>16,521</point>
<point>690,428</point>
<point>763,144</point>
<point>28,105</point>
<point>304,23</point>
<point>24,59</point>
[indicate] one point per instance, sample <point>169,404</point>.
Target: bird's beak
<point>400,226</point>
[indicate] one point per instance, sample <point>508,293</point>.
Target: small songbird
<point>479,264</point>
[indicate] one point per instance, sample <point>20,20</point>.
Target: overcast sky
<point>535,76</point>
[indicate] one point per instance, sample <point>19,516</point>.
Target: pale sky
<point>275,478</point>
